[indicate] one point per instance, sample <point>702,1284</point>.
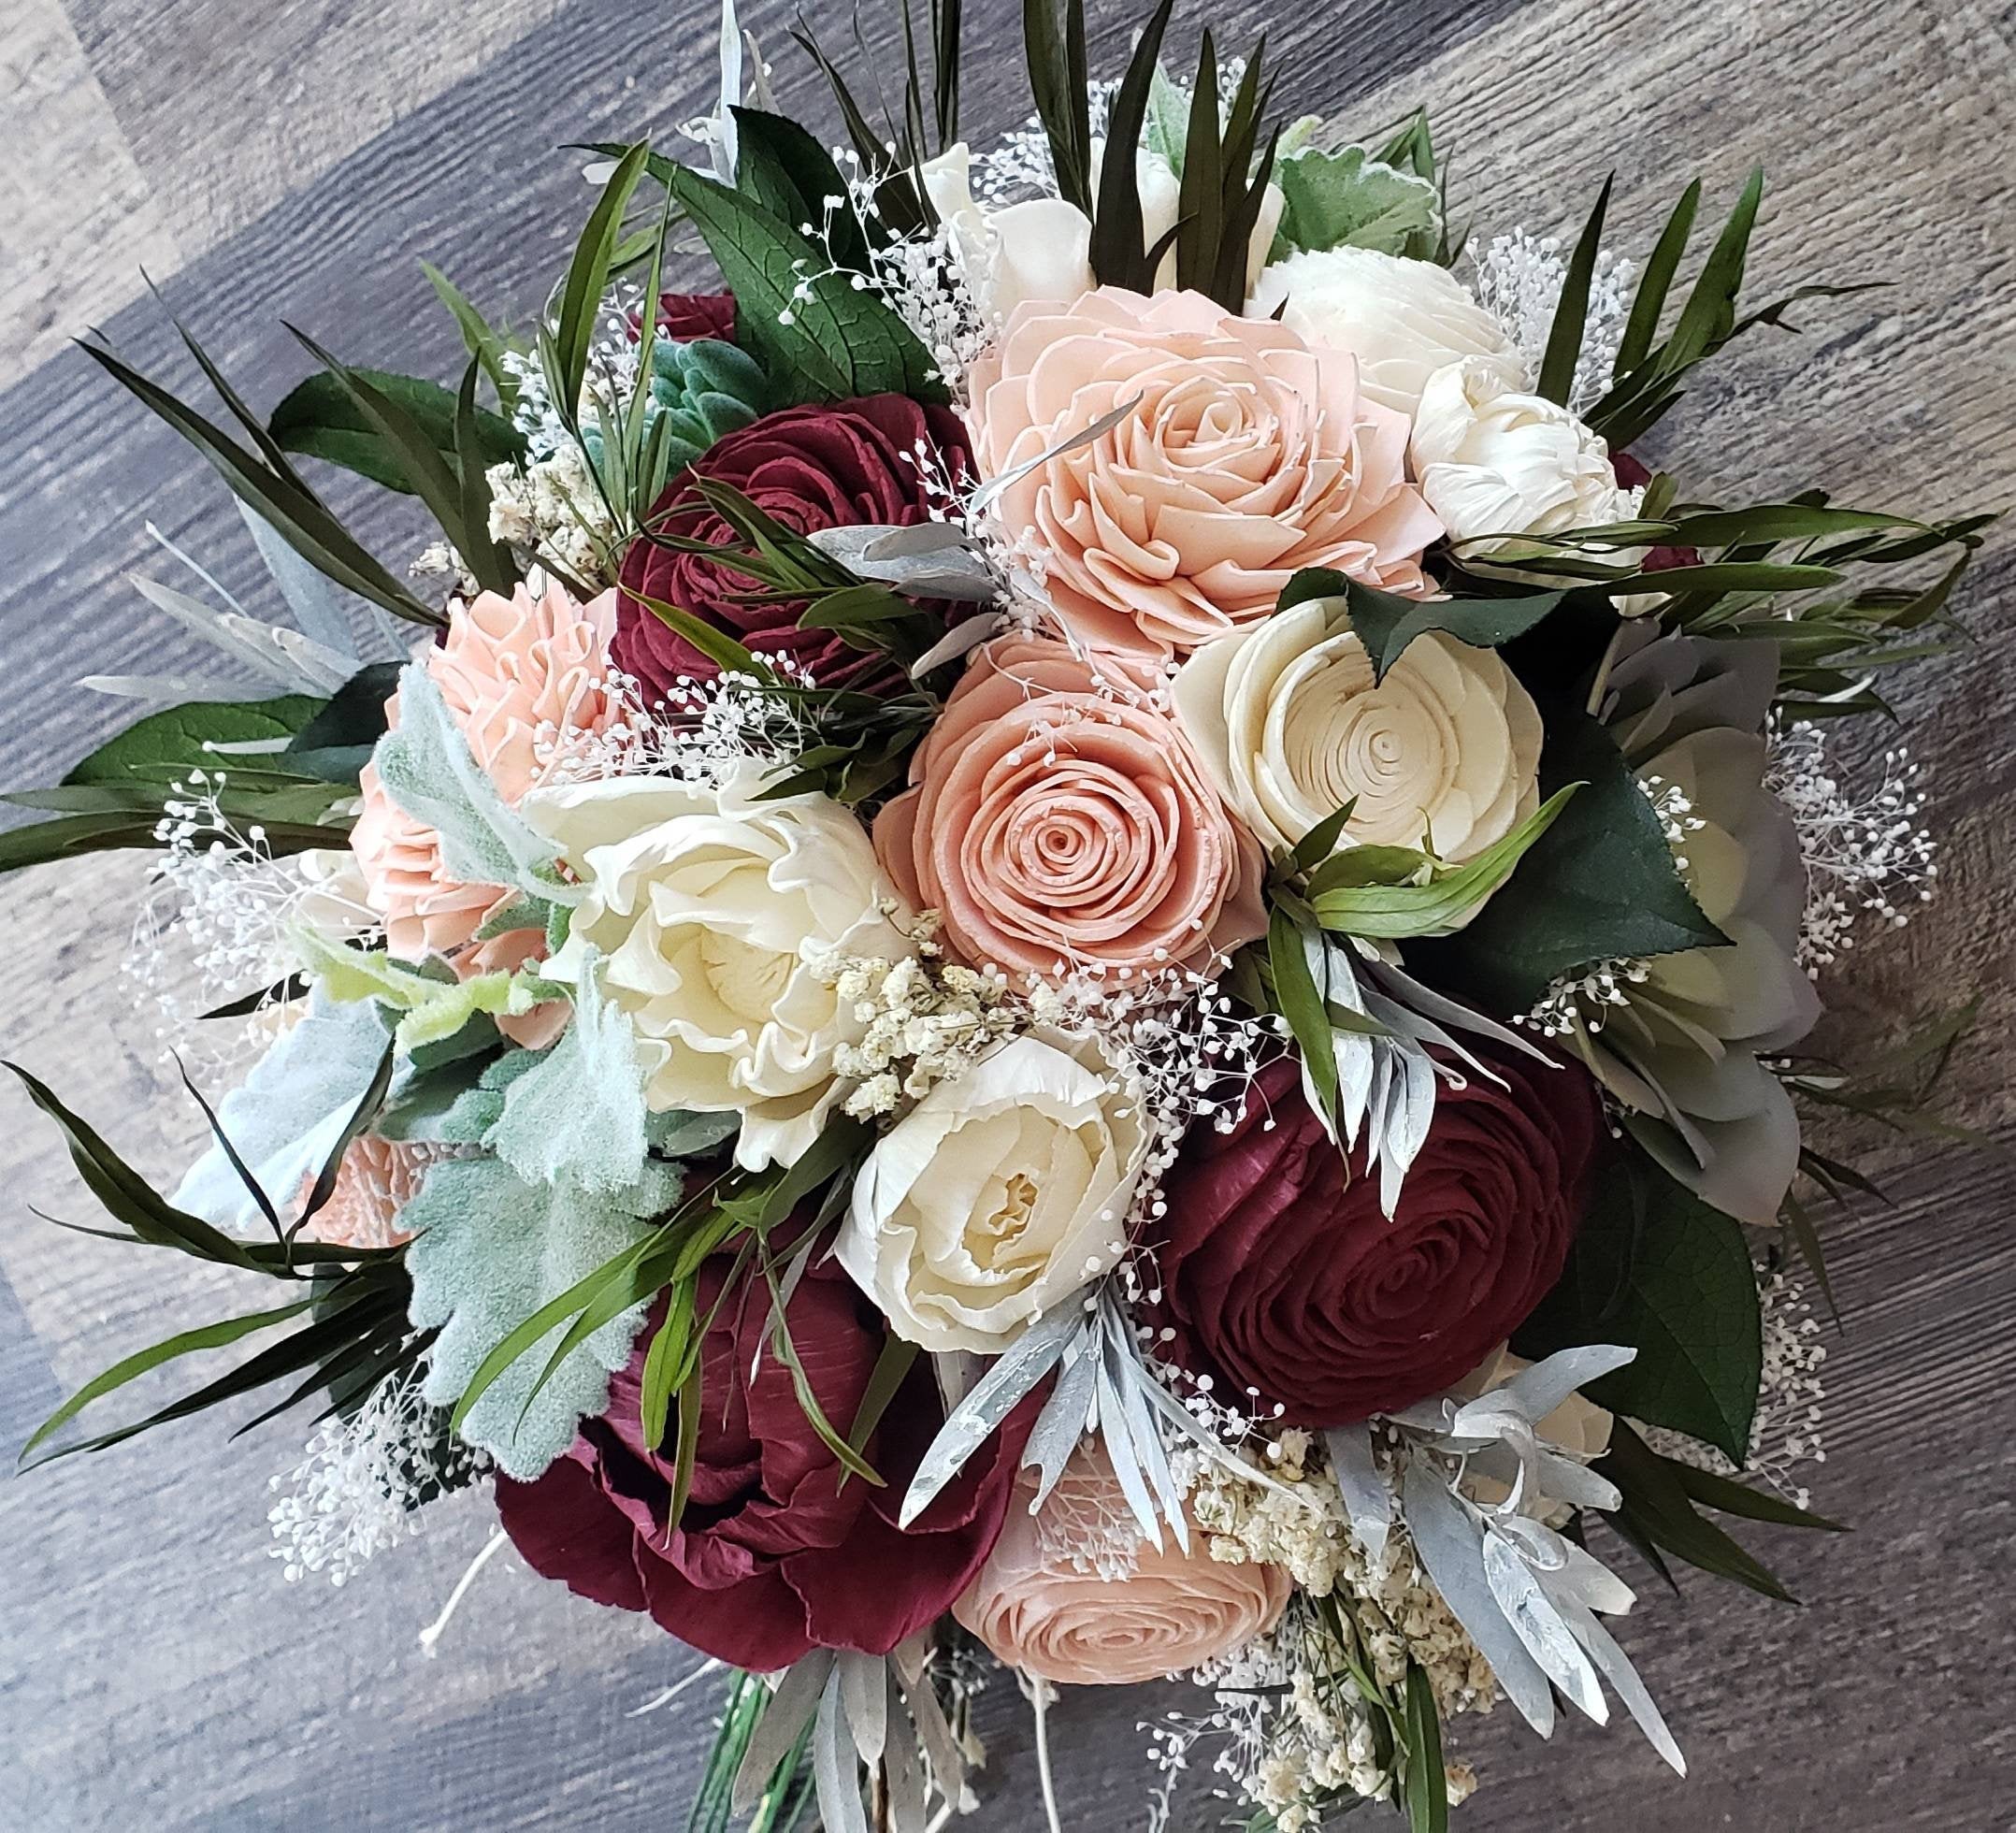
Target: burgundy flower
<point>810,468</point>
<point>1280,1273</point>
<point>1634,476</point>
<point>688,315</point>
<point>774,1555</point>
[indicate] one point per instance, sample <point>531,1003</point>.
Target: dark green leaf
<point>1724,1493</point>
<point>1118,259</point>
<point>785,169</point>
<point>1600,882</point>
<point>1570,313</point>
<point>1427,1784</point>
<point>1302,1005</point>
<point>1650,300</point>
<point>480,337</point>
<point>1658,1509</point>
<point>1657,1270</point>
<point>321,419</point>
<point>833,343</point>
<point>1387,623</point>
<point>163,747</point>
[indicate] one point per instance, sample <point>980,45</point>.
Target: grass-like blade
<point>1649,301</point>
<point>1118,232</point>
<point>1570,313</point>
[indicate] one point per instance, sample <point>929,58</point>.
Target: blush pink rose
<point>1244,456</point>
<point>1058,818</point>
<point>1072,1595</point>
<point>515,672</point>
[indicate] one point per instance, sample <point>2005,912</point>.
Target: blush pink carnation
<point>1242,455</point>
<point>1072,1595</point>
<point>1059,818</point>
<point>375,1182</point>
<point>515,672</point>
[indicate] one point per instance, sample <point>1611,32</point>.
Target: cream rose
<point>1060,1599</point>
<point>1403,319</point>
<point>1236,455</point>
<point>1291,726</point>
<point>1494,461</point>
<point>1000,1193</point>
<point>714,913</point>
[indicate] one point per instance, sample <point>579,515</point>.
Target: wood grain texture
<point>295,161</point>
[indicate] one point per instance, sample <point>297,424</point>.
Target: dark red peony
<point>687,315</point>
<point>775,1557</point>
<point>810,468</point>
<point>1280,1273</point>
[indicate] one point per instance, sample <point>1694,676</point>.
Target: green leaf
<point>1571,314</point>
<point>1387,623</point>
<point>1055,60</point>
<point>1118,256</point>
<point>163,747</point>
<point>1320,842</point>
<point>885,1382</point>
<point>784,168</point>
<point>1395,912</point>
<point>188,1342</point>
<point>1776,522</point>
<point>1302,1005</point>
<point>833,344</point>
<point>1657,1270</point>
<point>296,514</point>
<point>1712,1490</point>
<point>1657,1510</point>
<point>1602,883</point>
<point>1708,317</point>
<point>480,337</point>
<point>1650,300</point>
<point>320,419</point>
<point>565,350</point>
<point>1348,199</point>
<point>1427,1783</point>
<point>431,469</point>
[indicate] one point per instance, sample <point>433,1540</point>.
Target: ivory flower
<point>1495,461</point>
<point>1291,726</point>
<point>1403,319</point>
<point>1001,1192</point>
<point>514,671</point>
<point>1240,455</point>
<point>714,913</point>
<point>1059,818</point>
<point>1050,1601</point>
<point>1040,249</point>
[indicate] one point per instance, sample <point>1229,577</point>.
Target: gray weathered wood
<point>295,161</point>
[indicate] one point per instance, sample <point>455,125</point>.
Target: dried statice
<point>364,1482</point>
<point>1519,281</point>
<point>1865,853</point>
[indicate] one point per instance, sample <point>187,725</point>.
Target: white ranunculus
<point>1403,319</point>
<point>1292,724</point>
<point>714,913</point>
<point>1494,461</point>
<point>1000,1193</point>
<point>1040,249</point>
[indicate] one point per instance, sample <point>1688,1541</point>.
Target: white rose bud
<point>714,913</point>
<point>1000,1193</point>
<point>1493,461</point>
<point>1403,319</point>
<point>1292,724</point>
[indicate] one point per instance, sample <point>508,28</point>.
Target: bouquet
<point>1075,929</point>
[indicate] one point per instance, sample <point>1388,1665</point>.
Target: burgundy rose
<point>1634,476</point>
<point>1280,1272</point>
<point>774,1555</point>
<point>810,468</point>
<point>687,315</point>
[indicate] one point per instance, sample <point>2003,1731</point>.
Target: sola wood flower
<point>1073,1595</point>
<point>1292,725</point>
<point>514,671</point>
<point>1060,818</point>
<point>375,1182</point>
<point>1240,453</point>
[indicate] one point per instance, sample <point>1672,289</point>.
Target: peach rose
<point>1072,1595</point>
<point>1246,455</point>
<point>513,672</point>
<point>1059,818</point>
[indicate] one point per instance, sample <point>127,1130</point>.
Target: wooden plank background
<point>265,161</point>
